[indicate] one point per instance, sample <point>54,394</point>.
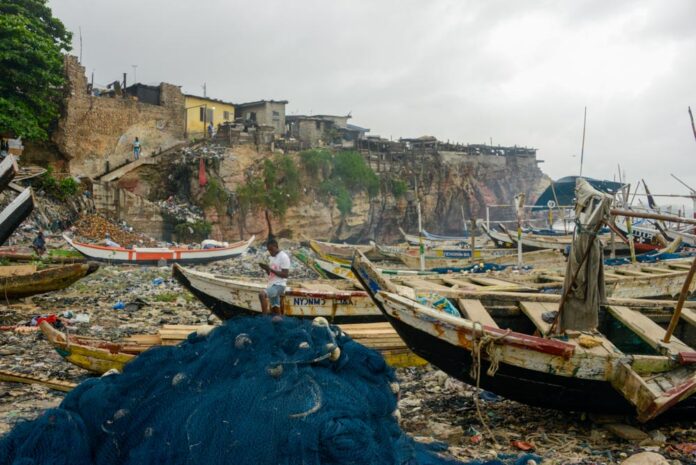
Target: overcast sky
<point>514,72</point>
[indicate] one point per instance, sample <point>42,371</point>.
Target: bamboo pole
<point>680,302</point>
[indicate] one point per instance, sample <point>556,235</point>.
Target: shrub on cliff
<point>196,231</point>
<point>277,189</point>
<point>31,45</point>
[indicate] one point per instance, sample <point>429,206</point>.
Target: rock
<point>646,458</point>
<point>445,431</point>
<point>627,432</point>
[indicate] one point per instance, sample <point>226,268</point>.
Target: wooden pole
<point>473,240</point>
<point>652,216</point>
<point>680,302</point>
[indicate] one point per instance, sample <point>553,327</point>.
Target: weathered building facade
<point>97,132</point>
<point>200,111</point>
<point>264,113</point>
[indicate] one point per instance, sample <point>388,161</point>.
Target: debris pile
<point>210,151</point>
<point>95,227</point>
<point>256,390</point>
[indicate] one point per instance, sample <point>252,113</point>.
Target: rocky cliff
<point>451,186</point>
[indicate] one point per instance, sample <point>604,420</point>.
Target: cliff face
<point>452,186</point>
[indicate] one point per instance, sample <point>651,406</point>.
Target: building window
<point>208,118</point>
<point>275,113</point>
<point>318,124</point>
<point>226,115</point>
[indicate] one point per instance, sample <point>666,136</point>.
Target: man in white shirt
<point>277,270</point>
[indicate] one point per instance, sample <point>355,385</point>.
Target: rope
<point>481,340</point>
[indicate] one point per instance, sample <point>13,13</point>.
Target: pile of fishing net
<point>254,391</point>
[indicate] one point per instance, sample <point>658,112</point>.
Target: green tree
<point>32,42</point>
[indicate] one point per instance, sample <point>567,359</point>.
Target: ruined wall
<point>95,130</point>
<point>120,204</point>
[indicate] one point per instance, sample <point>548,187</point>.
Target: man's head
<point>272,246</point>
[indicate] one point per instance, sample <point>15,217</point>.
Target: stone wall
<point>120,204</point>
<point>95,130</point>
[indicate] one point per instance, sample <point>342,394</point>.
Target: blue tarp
<point>564,190</point>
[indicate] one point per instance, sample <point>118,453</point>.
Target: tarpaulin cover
<point>564,190</point>
<point>254,391</point>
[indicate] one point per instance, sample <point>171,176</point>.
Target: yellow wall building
<point>202,110</point>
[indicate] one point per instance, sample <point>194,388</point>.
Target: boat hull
<point>228,299</point>
<point>42,281</point>
<point>153,256</point>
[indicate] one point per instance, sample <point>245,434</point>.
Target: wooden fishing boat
<point>344,252</point>
<point>158,255</point>
<point>8,171</point>
<point>433,240</point>
<point>338,270</point>
<point>100,356</point>
<point>17,211</point>
<point>447,259</point>
<point>89,353</point>
<point>17,281</point>
<point>27,254</point>
<point>624,367</point>
<point>338,302</point>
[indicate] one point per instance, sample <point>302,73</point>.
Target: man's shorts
<point>274,291</point>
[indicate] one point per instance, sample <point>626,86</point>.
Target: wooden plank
<point>16,270</point>
<point>57,384</point>
<point>318,287</point>
<point>647,330</point>
<point>679,266</point>
<point>631,273</point>
<point>657,270</point>
<point>689,316</point>
<point>534,310</point>
<point>462,283</point>
<point>475,311</point>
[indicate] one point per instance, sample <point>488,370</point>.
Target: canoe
<point>17,281</point>
<point>434,240</point>
<point>89,353</point>
<point>158,255</point>
<point>338,270</point>
<point>100,356</point>
<point>27,254</point>
<point>442,259</point>
<point>8,171</point>
<point>345,252</point>
<point>17,211</point>
<point>622,368</point>
<point>230,297</point>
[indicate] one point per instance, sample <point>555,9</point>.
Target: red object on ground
<point>522,445</point>
<point>50,319</point>
<point>686,447</point>
<point>202,178</point>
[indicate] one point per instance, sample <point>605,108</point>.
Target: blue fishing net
<point>254,391</point>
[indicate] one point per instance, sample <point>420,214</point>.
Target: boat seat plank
<point>418,283</point>
<point>679,266</point>
<point>621,272</point>
<point>318,287</point>
<point>463,283</point>
<point>648,330</point>
<point>534,310</point>
<point>689,315</point>
<point>657,270</point>
<point>475,311</point>
<point>491,281</point>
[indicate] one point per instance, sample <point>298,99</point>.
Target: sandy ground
<point>433,406</point>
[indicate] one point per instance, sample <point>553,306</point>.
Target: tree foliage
<point>277,189</point>
<point>31,45</point>
<point>343,173</point>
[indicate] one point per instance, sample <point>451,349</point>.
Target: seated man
<point>277,270</point>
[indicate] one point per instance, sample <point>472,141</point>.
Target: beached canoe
<point>17,281</point>
<point>622,367</point>
<point>158,255</point>
<point>344,252</point>
<point>338,302</point>
<point>100,356</point>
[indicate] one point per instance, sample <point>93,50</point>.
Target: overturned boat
<point>18,281</point>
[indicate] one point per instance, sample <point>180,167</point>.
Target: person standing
<point>136,149</point>
<point>39,244</point>
<point>278,271</point>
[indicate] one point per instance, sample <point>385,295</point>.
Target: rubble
<point>95,227</point>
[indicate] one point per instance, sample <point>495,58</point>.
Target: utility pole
<point>205,90</point>
<point>80,29</point>
<point>582,150</point>
<point>135,75</point>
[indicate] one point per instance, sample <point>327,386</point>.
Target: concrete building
<point>203,110</point>
<point>324,130</point>
<point>264,113</point>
